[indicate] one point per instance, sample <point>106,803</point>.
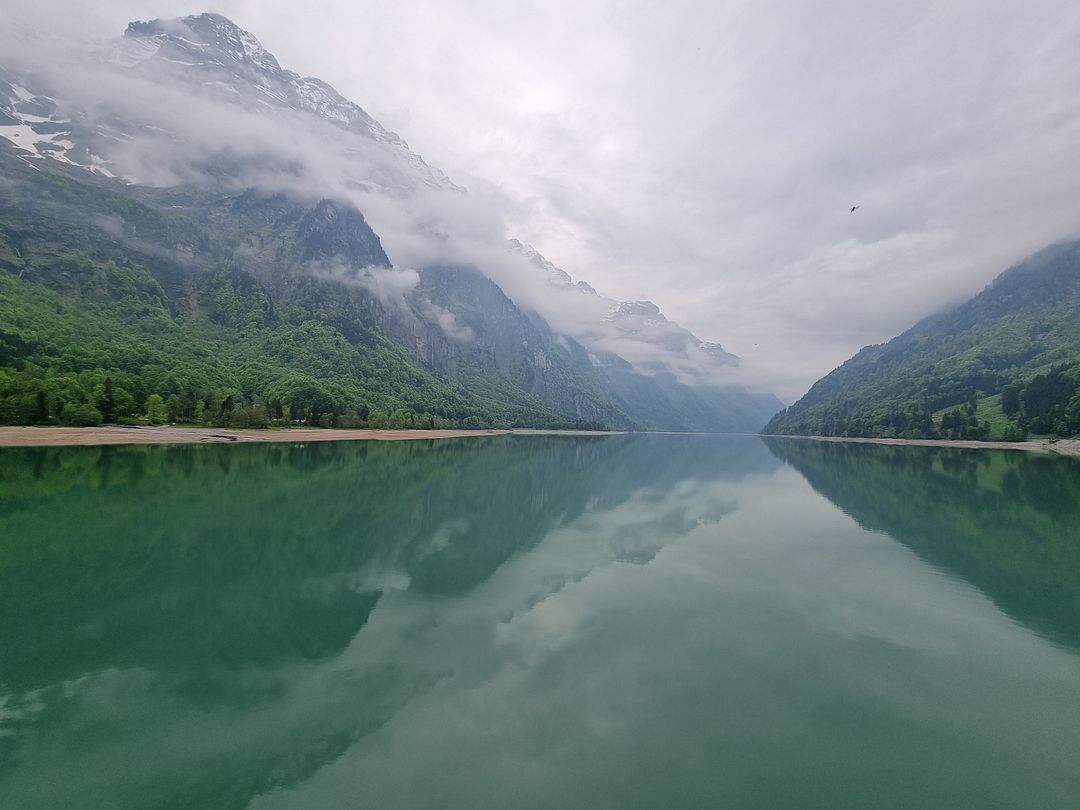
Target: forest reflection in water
<point>1008,522</point>
<point>533,621</point>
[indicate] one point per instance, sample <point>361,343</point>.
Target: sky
<point>706,155</point>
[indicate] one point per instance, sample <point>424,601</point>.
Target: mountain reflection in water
<point>1008,522</point>
<point>624,621</point>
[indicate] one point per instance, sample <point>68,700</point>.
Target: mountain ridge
<point>1001,365</point>
<point>289,262</point>
<point>159,40</point>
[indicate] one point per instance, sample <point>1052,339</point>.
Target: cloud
<point>698,154</point>
<point>448,323</point>
<point>704,156</point>
<point>196,130</point>
<point>395,288</point>
<point>391,285</point>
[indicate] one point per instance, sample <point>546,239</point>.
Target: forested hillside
<point>208,305</point>
<point>118,305</point>
<point>1004,365</point>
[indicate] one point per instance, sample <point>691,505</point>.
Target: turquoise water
<point>627,621</point>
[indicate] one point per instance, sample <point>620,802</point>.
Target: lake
<point>517,622</point>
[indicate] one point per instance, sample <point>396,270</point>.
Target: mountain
<point>190,223</point>
<point>619,332</point>
<point>1003,365</point>
<point>204,56</point>
<point>639,322</point>
<point>212,54</point>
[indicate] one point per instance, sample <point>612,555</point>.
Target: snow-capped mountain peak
<point>555,274</point>
<point>231,63</point>
<point>205,33</point>
<point>216,61</point>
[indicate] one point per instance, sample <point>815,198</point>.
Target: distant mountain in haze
<point>1003,365</point>
<point>640,322</point>
<point>188,221</point>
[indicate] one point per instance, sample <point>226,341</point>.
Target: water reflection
<point>633,621</point>
<point>215,579</point>
<point>1008,522</point>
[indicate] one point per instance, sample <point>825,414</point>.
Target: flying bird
<point>854,207</point>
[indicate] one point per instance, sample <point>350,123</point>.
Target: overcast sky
<point>706,155</point>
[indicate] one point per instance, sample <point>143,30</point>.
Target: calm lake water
<point>517,622</point>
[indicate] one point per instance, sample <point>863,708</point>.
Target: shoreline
<point>1061,447</point>
<point>51,436</point>
<point>20,436</point>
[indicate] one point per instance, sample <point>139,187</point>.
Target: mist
<point>705,158</point>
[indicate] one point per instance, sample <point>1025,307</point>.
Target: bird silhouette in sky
<point>854,207</point>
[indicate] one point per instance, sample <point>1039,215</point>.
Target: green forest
<point>114,353</point>
<point>1003,366</point>
<point>211,304</point>
<point>123,305</point>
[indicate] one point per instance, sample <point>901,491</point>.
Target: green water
<point>515,622</point>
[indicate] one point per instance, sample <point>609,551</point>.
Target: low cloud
<point>447,322</point>
<point>702,156</point>
<point>193,131</point>
<point>391,285</point>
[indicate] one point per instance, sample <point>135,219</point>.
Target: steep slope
<point>111,295</point>
<point>246,244</point>
<point>205,57</point>
<point>220,58</point>
<point>676,380</point>
<point>1004,364</point>
<point>639,325</point>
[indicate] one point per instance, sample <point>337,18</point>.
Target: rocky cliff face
<point>222,59</point>
<point>457,321</point>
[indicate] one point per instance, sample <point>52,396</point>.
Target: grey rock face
<point>229,62</point>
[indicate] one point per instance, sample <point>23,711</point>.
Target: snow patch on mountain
<point>30,123</point>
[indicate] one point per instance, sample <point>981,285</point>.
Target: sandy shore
<point>1064,447</point>
<point>111,434</point>
<point>168,434</point>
